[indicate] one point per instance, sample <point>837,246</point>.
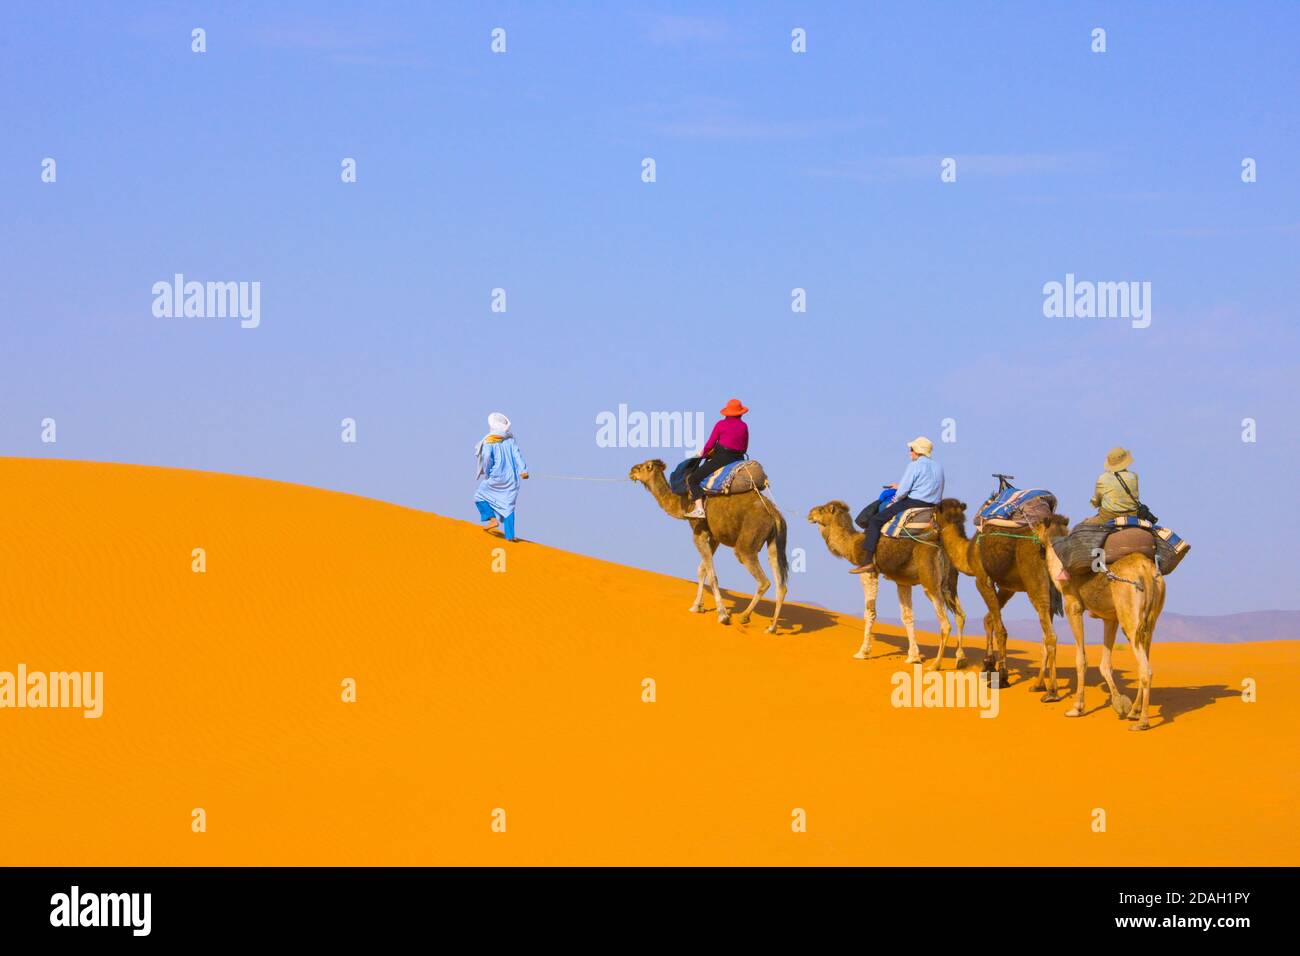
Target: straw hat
<point>733,409</point>
<point>921,445</point>
<point>1117,459</point>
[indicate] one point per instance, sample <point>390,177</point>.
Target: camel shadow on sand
<point>1170,702</point>
<point>795,618</point>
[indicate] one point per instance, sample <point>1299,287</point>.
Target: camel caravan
<point>1112,565</point>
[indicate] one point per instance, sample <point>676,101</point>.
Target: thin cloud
<point>738,128</point>
<point>1226,232</point>
<point>355,45</point>
<point>313,36</point>
<point>886,168</point>
<point>679,30</point>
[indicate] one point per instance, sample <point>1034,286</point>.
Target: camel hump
<point>736,478</point>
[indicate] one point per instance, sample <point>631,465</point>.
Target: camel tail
<point>1150,606</point>
<point>1055,603</point>
<point>782,561</point>
<point>947,581</point>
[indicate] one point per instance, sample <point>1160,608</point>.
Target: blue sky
<point>774,171</point>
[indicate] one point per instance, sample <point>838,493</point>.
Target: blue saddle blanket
<point>914,523</point>
<point>735,478</point>
<point>1012,504</point>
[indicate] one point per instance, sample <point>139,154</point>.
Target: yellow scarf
<point>493,439</point>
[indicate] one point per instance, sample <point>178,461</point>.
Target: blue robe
<point>500,464</point>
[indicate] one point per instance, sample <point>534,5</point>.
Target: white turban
<point>499,426</point>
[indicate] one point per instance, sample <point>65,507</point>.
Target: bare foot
<point>491,525</point>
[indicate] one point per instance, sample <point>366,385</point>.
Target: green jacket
<point>1110,498</point>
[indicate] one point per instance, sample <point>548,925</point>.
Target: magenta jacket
<point>729,433</point>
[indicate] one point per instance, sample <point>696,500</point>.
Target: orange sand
<point>522,690</point>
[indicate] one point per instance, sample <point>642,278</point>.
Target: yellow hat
<point>1117,459</point>
<point>921,445</point>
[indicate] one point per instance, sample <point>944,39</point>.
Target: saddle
<point>1117,538</point>
<point>735,479</point>
<point>1016,508</point>
<point>916,524</point>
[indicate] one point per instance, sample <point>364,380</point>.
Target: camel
<point>1004,562</point>
<point>907,564</point>
<point>744,522</point>
<point>1130,594</point>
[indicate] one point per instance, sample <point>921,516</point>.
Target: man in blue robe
<point>500,466</point>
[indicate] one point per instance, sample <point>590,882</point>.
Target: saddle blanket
<point>1016,508</point>
<point>1117,538</point>
<point>735,478</point>
<point>914,523</point>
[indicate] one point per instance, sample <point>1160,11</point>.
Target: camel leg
<point>945,629</point>
<point>909,622</point>
<point>1074,613</point>
<point>702,576</point>
<point>1148,613</point>
<point>1000,636</point>
<point>750,560</point>
<point>1129,609</point>
<point>774,560</point>
<point>1142,650</point>
<point>995,598</point>
<point>870,588</point>
<point>1044,609</point>
<point>959,616</point>
<point>706,546</point>
<point>1118,701</point>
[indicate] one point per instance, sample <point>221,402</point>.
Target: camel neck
<point>842,539</point>
<point>673,504</point>
<point>957,546</point>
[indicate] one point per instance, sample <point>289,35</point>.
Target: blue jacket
<point>923,481</point>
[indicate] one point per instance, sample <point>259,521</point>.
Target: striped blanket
<point>1016,508</point>
<point>914,523</point>
<point>735,478</point>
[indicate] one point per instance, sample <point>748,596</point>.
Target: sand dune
<point>522,690</point>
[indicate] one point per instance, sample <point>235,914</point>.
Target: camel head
<point>831,513</point>
<point>951,512</point>
<point>646,471</point>
<point>1056,526</point>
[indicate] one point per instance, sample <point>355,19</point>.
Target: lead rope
<point>1110,576</point>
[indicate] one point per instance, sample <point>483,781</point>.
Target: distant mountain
<point>1209,628</point>
<point>1193,628</point>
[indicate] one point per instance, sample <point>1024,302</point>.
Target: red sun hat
<point>734,409</point>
